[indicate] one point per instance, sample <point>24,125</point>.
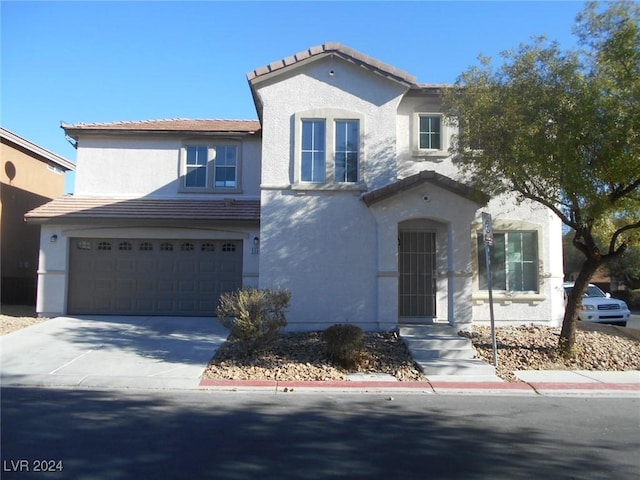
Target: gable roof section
<point>72,208</point>
<point>426,176</point>
<point>340,50</point>
<point>35,150</point>
<point>320,51</point>
<point>182,125</point>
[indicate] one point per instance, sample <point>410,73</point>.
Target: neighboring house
<point>30,177</point>
<point>343,192</point>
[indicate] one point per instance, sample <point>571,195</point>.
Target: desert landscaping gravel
<point>15,317</point>
<point>300,356</point>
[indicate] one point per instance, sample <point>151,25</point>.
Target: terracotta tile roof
<point>84,208</point>
<point>338,49</point>
<point>429,176</point>
<point>167,125</point>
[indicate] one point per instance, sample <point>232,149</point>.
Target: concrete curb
<point>441,388</point>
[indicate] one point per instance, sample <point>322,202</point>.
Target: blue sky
<point>111,61</point>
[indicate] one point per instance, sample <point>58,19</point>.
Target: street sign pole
<point>487,228</point>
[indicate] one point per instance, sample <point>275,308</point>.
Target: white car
<point>598,306</point>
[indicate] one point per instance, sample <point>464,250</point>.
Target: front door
<point>417,269</point>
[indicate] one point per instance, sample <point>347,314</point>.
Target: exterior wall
<point>323,251</point>
<point>313,87</point>
<point>149,166</point>
<point>27,182</point>
<point>320,242</point>
<point>337,256</point>
<point>545,306</point>
<point>53,269</point>
<point>409,161</point>
<point>449,216</point>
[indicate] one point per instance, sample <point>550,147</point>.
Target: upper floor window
<point>313,151</point>
<point>347,150</point>
<point>196,163</point>
<point>210,167</point>
<point>429,135</point>
<point>226,167</point>
<point>430,132</point>
<point>328,151</point>
<point>514,262</point>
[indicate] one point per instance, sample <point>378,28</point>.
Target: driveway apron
<point>111,352</point>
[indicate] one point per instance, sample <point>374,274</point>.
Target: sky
<point>90,61</point>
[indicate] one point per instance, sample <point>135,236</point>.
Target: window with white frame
<point>210,167</point>
<point>514,262</point>
<point>226,167</point>
<point>196,166</point>
<point>430,132</point>
<point>329,148</point>
<point>347,150</point>
<point>312,155</point>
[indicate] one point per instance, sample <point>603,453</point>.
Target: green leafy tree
<point>627,267</point>
<point>562,128</point>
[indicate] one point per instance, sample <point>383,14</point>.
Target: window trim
<point>210,186</point>
<point>330,117</point>
<point>443,151</point>
<point>314,150</point>
<point>503,297</point>
<point>505,234</point>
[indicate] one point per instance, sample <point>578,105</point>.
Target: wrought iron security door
<point>417,269</point>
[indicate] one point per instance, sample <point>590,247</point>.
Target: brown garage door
<point>150,276</point>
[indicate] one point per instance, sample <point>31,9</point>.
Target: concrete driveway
<point>111,352</point>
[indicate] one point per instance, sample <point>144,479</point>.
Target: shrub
<point>254,317</point>
<point>345,345</point>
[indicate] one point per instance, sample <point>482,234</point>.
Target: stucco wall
<point>449,216</point>
<point>137,167</point>
<point>545,306</point>
<point>323,250</point>
<point>30,174</point>
<point>27,182</point>
<point>339,257</point>
<point>349,88</point>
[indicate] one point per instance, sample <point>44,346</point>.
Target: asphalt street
<point>135,434</point>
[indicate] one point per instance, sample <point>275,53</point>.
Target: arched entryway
<point>421,255</point>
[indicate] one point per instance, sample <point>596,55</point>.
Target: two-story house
<point>343,192</point>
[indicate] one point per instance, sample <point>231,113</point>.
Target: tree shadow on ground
<point>122,435</point>
<point>184,340</point>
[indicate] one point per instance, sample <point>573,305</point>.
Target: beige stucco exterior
<point>30,176</point>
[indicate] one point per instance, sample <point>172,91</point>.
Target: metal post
<point>487,226</point>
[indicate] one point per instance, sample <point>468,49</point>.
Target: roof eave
<point>430,176</point>
<point>75,133</point>
<point>330,49</point>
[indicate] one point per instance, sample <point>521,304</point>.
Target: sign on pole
<point>487,231</point>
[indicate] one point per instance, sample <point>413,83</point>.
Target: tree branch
<point>617,194</point>
<point>614,237</point>
<point>550,205</point>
